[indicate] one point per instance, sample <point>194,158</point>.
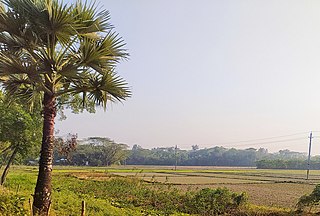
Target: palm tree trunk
<point>42,194</point>
<point>6,170</point>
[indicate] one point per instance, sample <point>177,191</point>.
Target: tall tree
<point>18,133</point>
<point>107,150</point>
<point>60,53</point>
<point>93,151</point>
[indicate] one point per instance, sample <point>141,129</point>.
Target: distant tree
<point>195,147</point>
<point>262,153</point>
<point>66,147</point>
<point>219,156</point>
<point>98,151</point>
<point>136,147</point>
<point>109,151</point>
<point>138,155</point>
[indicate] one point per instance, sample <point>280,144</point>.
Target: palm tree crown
<point>48,47</point>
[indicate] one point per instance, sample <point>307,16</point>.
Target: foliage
<point>65,147</point>
<point>216,156</point>
<point>311,200</point>
<point>94,151</point>
<point>19,129</point>
<point>132,192</point>
<point>59,53</point>
<point>124,196</point>
<point>67,51</point>
<point>215,201</point>
<point>130,196</point>
<point>286,164</point>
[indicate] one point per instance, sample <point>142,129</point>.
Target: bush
<point>310,200</point>
<point>215,201</point>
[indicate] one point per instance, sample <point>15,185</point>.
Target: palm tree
<point>59,53</point>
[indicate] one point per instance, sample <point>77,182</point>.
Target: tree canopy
<point>19,133</point>
<point>19,129</point>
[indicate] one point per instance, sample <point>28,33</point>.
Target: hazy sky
<point>210,72</point>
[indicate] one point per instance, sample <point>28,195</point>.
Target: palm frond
<point>19,87</point>
<point>99,88</point>
<point>102,54</point>
<point>10,64</point>
<point>10,43</point>
<point>115,86</point>
<point>13,83</point>
<point>33,13</point>
<point>62,22</point>
<point>91,20</point>
<point>106,88</point>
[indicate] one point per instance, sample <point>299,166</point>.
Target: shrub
<point>215,201</point>
<point>310,200</point>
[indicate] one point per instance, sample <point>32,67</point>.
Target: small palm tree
<point>59,53</point>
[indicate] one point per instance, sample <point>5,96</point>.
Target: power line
<point>270,142</point>
<point>260,139</point>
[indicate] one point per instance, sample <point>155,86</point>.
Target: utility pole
<point>175,157</point>
<point>309,155</point>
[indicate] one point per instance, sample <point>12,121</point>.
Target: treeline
<point>216,156</point>
<point>289,164</point>
<point>98,151</point>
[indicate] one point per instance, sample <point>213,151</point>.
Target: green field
<point>273,188</point>
<point>267,190</point>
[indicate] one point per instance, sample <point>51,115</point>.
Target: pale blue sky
<point>210,71</point>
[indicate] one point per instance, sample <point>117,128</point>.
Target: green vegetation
<point>216,201</point>
<point>101,151</point>
<point>118,196</point>
<point>289,163</point>
<point>309,201</point>
<point>94,151</point>
<point>123,191</point>
<point>60,54</point>
<point>12,204</point>
<point>19,131</point>
<point>216,156</point>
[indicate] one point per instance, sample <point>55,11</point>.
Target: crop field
<point>100,187</point>
<point>274,188</point>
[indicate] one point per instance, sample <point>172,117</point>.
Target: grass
<point>272,188</point>
<point>118,190</point>
<point>102,198</point>
<point>268,188</point>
